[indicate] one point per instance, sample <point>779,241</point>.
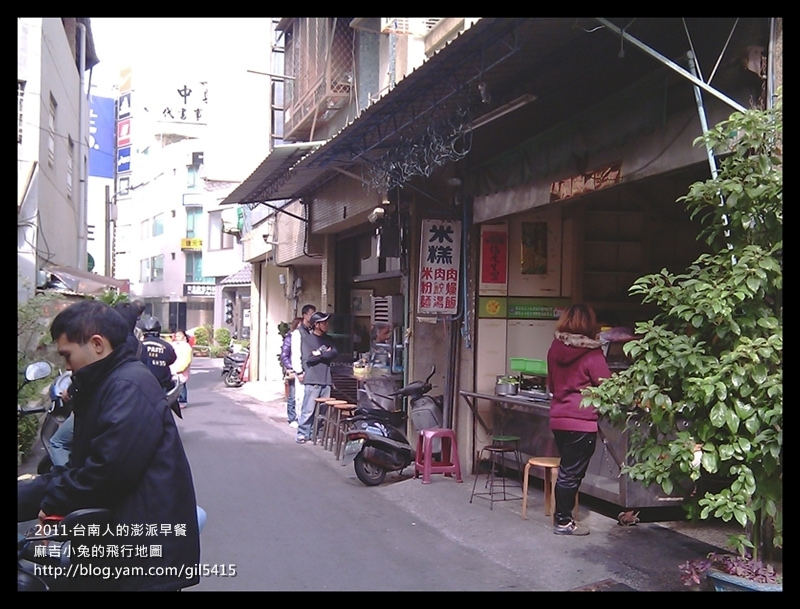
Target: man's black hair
<point>82,320</point>
<point>309,308</point>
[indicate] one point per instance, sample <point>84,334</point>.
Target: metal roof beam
<point>671,64</point>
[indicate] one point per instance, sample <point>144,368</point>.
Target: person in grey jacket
<point>126,456</point>
<point>318,353</point>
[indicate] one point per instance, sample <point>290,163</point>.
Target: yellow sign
<point>492,306</point>
<point>192,244</point>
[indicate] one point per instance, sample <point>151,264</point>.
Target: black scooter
<point>376,441</point>
<point>233,367</point>
<point>55,410</point>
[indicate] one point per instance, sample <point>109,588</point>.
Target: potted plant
<point>732,573</point>
<point>702,400</point>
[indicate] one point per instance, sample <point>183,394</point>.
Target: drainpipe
<point>83,258</point>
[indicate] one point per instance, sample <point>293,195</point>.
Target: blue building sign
<point>102,131</point>
<point>124,159</point>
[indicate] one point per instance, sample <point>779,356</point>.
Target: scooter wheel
<point>369,473</point>
<point>232,380</point>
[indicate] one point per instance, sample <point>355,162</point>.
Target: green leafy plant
<point>222,337</point>
<point>112,296</point>
<point>217,351</point>
<point>202,336</point>
<point>703,398</point>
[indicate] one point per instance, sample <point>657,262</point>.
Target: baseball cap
<point>319,316</point>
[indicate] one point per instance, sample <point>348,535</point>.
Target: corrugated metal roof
<point>569,64</point>
<point>259,186</point>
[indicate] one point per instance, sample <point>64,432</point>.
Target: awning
<point>84,282</point>
<point>266,182</point>
<point>509,57</point>
<point>241,277</point>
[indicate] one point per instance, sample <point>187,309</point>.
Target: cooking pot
<point>503,387</point>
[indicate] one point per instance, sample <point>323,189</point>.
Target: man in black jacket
<point>127,456</point>
<point>157,353</point>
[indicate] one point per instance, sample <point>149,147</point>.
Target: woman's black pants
<point>576,449</point>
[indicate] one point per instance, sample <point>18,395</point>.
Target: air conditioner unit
<point>412,26</point>
<point>387,309</point>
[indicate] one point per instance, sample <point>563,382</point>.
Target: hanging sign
<point>439,264</point>
<point>494,259</point>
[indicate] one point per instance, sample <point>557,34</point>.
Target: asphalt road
<point>291,519</point>
<point>288,517</point>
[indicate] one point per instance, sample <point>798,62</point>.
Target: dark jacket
<point>159,355</point>
<point>574,362</point>
<point>127,456</point>
<point>318,367</point>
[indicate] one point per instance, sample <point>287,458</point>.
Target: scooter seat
<point>394,417</point>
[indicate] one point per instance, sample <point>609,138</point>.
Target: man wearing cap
<point>317,353</point>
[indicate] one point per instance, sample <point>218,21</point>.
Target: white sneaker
<point>293,424</point>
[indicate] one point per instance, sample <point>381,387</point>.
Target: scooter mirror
<point>37,370</point>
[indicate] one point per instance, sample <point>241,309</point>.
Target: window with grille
<point>318,63</point>
<point>20,98</point>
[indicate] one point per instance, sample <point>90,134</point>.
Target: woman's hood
<point>569,347</point>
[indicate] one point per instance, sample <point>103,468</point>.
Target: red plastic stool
<point>424,462</point>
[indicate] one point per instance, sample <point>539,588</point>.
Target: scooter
<point>59,410</point>
<point>56,535</point>
<point>57,413</point>
<point>376,441</point>
<point>233,368</point>
<point>54,410</point>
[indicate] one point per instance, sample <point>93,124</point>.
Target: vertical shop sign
<point>494,259</point>
<point>439,263</point>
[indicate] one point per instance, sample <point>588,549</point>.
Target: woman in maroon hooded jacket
<point>574,361</point>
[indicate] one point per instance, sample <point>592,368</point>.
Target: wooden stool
<point>317,417</point>
<point>424,462</point>
<point>340,413</point>
<point>327,423</point>
<point>550,465</point>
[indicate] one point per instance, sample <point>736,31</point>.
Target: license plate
<point>351,449</point>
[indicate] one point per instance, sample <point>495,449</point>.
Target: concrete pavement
<point>644,557</point>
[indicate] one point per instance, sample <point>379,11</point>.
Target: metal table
<point>529,419</point>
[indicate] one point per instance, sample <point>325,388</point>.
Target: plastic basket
<point>529,366</point>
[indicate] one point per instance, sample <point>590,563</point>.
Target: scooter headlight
<point>62,382</point>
